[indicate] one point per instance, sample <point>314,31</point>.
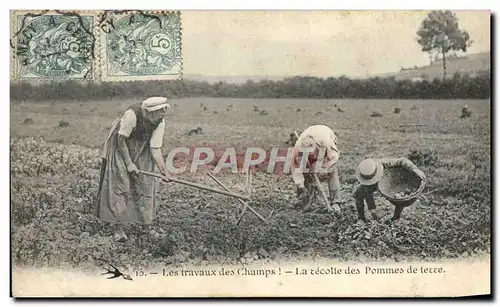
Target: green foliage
<point>34,157</point>
<point>439,33</point>
<point>460,86</point>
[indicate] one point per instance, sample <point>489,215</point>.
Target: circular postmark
<point>55,46</point>
<point>142,45</point>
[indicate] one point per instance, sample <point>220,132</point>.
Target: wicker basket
<point>399,180</point>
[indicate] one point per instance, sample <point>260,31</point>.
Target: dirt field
<point>54,184</point>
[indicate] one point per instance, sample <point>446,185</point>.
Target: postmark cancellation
<point>96,45</point>
<point>52,45</point>
<point>140,45</point>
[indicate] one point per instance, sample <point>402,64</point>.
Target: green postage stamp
<point>51,45</point>
<point>139,45</point>
<point>96,45</point>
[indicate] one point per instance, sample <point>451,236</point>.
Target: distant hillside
<point>473,64</point>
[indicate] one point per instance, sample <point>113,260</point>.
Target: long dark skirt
<point>126,198</point>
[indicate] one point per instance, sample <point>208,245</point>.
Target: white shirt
<point>320,136</point>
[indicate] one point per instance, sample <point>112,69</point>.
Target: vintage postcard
<point>165,153</point>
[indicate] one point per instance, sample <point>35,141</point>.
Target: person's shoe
<point>395,219</point>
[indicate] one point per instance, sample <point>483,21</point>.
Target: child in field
<point>368,173</point>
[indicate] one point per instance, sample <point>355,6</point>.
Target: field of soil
<point>54,181</point>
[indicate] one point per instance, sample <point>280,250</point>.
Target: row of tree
<point>458,87</point>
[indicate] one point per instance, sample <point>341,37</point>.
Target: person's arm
<point>332,157</point>
<point>158,158</point>
<point>127,124</point>
<point>398,162</point>
<point>300,157</point>
<point>332,150</point>
<point>404,163</point>
<point>334,183</point>
<point>156,143</point>
<point>122,147</point>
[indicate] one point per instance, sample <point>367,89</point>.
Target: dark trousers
<point>363,194</point>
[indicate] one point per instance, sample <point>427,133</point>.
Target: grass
<point>453,221</point>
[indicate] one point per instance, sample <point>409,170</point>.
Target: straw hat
<point>369,171</point>
<point>155,103</point>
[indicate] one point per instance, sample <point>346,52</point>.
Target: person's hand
<point>165,173</point>
<point>420,174</point>
<point>131,168</point>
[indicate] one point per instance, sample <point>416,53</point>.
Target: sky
<point>316,43</point>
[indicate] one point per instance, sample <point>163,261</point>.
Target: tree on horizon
<point>439,33</point>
